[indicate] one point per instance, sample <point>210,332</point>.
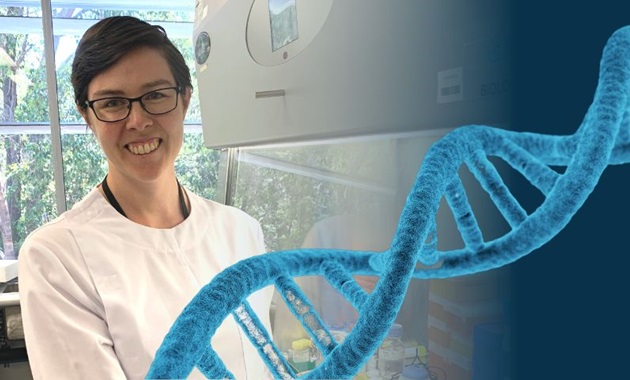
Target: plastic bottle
<point>300,355</point>
<point>391,354</point>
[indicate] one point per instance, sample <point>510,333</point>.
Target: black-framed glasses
<point>117,108</point>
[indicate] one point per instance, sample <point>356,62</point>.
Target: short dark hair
<point>105,42</point>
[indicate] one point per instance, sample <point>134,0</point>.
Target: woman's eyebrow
<point>156,83</point>
<point>107,92</point>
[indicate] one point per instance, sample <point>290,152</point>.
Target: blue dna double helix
<point>602,139</point>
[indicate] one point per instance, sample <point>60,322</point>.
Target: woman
<point>101,285</point>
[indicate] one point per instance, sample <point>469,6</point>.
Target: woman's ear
<point>186,95</point>
<point>84,115</point>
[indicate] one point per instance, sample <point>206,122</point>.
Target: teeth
<point>144,148</point>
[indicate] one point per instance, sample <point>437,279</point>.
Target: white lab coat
<point>99,292</point>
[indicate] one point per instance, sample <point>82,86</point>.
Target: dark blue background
<point>569,298</point>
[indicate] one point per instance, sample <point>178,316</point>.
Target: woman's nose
<point>138,118</point>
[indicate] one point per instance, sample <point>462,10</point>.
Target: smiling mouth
<point>146,148</point>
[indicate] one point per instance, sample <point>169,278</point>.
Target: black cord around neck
<point>112,199</point>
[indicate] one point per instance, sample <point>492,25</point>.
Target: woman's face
<point>142,147</point>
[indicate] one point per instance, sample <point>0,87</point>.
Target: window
<point>26,197</point>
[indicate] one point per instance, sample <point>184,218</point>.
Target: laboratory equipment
<point>12,344</point>
<point>301,357</point>
<point>391,353</point>
<point>345,67</point>
<point>8,270</point>
<point>602,139</point>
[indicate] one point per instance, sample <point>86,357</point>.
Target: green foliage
<point>34,106</point>
<point>288,205</point>
<point>68,112</point>
<point>285,204</point>
<point>35,176</point>
<point>186,47</point>
<point>197,166</point>
<point>84,165</point>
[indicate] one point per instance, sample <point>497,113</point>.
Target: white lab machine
<point>8,270</point>
<point>293,70</point>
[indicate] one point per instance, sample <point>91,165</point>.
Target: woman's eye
<point>114,103</point>
<point>155,95</point>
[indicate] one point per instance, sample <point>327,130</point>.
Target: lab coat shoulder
<point>54,244</point>
<point>232,223</point>
<point>54,241</point>
<point>63,317</point>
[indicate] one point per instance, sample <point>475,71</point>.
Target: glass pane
<point>345,195</point>
<point>292,189</point>
<point>198,167</point>
<point>349,195</point>
<point>26,177</point>
<point>22,66</point>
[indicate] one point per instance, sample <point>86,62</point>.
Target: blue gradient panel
<point>601,140</point>
<point>567,318</point>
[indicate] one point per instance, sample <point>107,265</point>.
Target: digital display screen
<point>283,19</point>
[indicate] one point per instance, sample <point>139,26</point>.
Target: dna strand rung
<point>602,139</point>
